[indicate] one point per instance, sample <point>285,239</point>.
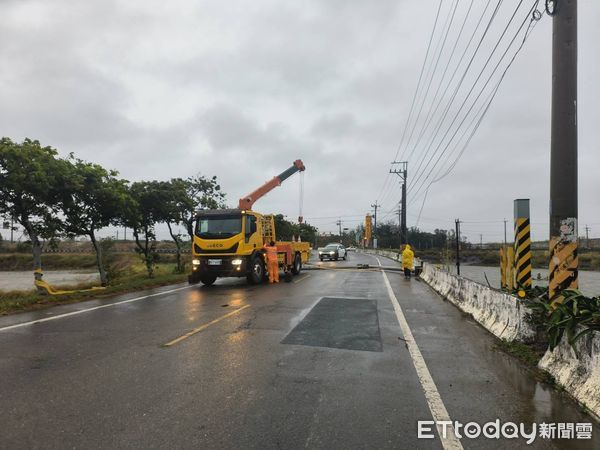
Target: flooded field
<point>23,280</point>
<point>589,281</point>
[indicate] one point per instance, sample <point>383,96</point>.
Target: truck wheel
<point>345,256</point>
<point>208,280</point>
<point>257,271</point>
<point>297,267</point>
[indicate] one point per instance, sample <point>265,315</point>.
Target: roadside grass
<point>524,352</point>
<point>135,278</point>
<point>71,261</point>
<point>529,355</point>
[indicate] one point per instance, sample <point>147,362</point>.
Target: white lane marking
<point>373,256</point>
<point>81,311</point>
<point>308,275</point>
<point>434,400</point>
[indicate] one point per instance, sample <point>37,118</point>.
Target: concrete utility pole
<point>400,224</point>
<point>457,223</point>
<point>587,237</point>
<point>563,265</point>
<point>375,206</point>
<point>402,173</point>
<point>339,224</point>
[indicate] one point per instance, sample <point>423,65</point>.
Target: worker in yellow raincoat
<point>272,262</point>
<point>408,257</point>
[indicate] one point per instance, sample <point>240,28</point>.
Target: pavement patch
<point>335,322</point>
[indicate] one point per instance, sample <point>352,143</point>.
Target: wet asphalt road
<point>265,376</point>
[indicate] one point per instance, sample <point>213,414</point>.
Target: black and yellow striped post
<point>522,244</point>
<point>507,269</point>
<point>563,269</point>
<point>503,268</point>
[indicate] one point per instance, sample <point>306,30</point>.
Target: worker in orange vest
<point>272,262</point>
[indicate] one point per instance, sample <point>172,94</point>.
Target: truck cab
<point>229,243</point>
<point>224,242</point>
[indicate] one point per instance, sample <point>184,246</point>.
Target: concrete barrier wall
<point>391,254</point>
<point>500,313</point>
<point>386,253</point>
<point>578,372</point>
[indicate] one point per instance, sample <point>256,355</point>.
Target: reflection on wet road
<point>317,363</point>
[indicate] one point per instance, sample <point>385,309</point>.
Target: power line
<point>442,41</point>
<point>415,94</point>
<point>487,105</point>
<point>457,88</point>
<point>431,114</point>
<point>478,96</point>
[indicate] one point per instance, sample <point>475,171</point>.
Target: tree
<point>201,193</point>
<point>34,183</point>
<point>176,205</point>
<point>148,196</point>
<point>286,230</point>
<point>97,199</point>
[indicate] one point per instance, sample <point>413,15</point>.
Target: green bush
<point>565,314</point>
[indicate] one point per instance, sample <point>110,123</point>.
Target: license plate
<point>215,262</point>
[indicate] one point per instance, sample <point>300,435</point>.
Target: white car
<point>333,252</point>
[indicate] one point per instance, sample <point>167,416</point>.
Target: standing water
<point>589,281</point>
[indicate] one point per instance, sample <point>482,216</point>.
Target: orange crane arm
<point>248,201</point>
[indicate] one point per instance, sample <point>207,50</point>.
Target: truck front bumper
<point>219,266</point>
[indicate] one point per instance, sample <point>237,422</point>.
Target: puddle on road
<point>539,402</point>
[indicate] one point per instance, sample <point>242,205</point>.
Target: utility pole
<point>400,224</point>
<point>402,173</point>
<point>563,266</point>
<point>480,240</point>
<point>12,229</point>
<point>375,206</point>
<point>505,232</point>
<point>587,237</point>
<point>125,234</point>
<point>339,224</point>
<point>457,224</point>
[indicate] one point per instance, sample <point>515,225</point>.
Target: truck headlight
<point>236,262</point>
<point>195,262</point>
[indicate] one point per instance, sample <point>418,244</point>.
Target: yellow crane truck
<point>229,242</point>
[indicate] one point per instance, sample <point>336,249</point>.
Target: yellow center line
<point>308,275</point>
<point>203,327</point>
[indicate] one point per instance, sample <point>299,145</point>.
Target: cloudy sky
<point>240,89</point>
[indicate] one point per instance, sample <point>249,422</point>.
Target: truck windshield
<point>218,227</point>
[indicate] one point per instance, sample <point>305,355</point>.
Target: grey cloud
<point>238,90</point>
